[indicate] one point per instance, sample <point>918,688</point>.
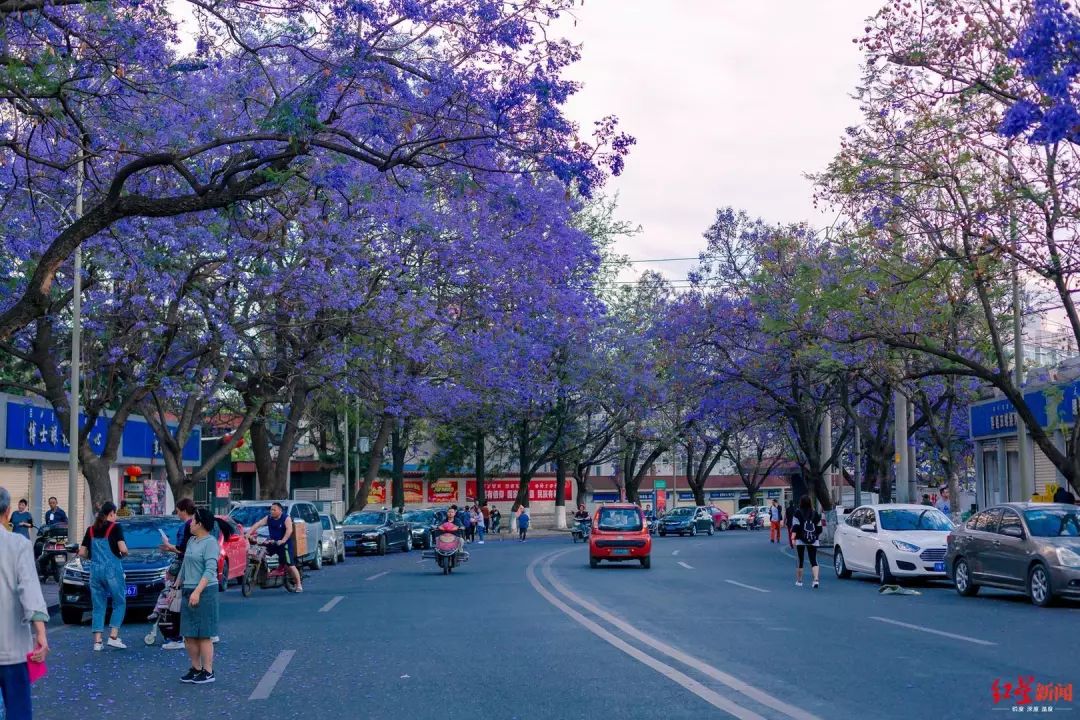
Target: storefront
<point>726,492</point>
<point>994,425</point>
<point>34,451</point>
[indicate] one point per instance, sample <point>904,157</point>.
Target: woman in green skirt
<point>199,610</point>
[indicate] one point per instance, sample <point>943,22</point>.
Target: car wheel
<point>594,561</point>
<point>646,562</point>
<point>710,531</point>
<point>71,616</point>
<point>223,581</point>
<point>725,525</point>
<point>247,583</point>
<point>408,543</point>
<point>382,545</point>
<point>1039,589</point>
<point>693,531</point>
<point>839,565</point>
<point>316,564</point>
<point>663,534</point>
<point>333,557</point>
<point>962,578</point>
<point>884,575</point>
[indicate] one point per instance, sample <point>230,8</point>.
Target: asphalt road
<point>715,629</point>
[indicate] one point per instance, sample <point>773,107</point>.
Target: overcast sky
<point>731,102</point>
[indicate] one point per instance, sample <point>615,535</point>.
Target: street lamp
<point>76,359</point>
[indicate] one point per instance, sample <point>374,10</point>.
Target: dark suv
<point>144,568</point>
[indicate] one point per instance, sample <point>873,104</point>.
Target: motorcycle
<point>449,549</point>
<point>51,552</point>
<point>653,523</point>
<point>581,530</point>
<point>258,571</point>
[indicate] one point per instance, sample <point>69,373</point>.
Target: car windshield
<point>1053,522</point>
<point>325,522</point>
<point>248,515</point>
<point>619,519</point>
<point>364,518</point>
<point>681,512</point>
<point>147,535</point>
<point>420,516</point>
<point>901,520</point>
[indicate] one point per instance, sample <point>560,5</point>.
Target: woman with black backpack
<point>806,527</point>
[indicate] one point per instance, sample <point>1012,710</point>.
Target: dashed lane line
<point>931,631</point>
<point>330,605</point>
<point>688,567</point>
<point>748,587</point>
<point>376,576</point>
<point>674,552</point>
<point>273,674</point>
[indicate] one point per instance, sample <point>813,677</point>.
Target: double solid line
<point>600,623</point>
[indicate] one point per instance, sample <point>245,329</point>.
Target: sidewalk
<point>533,533</point>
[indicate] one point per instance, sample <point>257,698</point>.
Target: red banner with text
<point>414,491</point>
<point>442,491</point>
<point>540,490</point>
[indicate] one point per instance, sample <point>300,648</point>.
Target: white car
<point>739,519</point>
<point>892,541</point>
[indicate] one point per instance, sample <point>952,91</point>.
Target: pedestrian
<point>55,514</point>
<point>787,522</point>
<point>1064,495</point>
<point>104,545</point>
<point>486,512</point>
<point>926,500</point>
<point>943,501</point>
<point>523,523</point>
<point>124,510</point>
<point>806,529</point>
<point>481,525</point>
<point>199,609</point>
<point>466,522</point>
<point>776,514</point>
<point>22,520</point>
<point>23,617</point>
<point>185,510</point>
<point>496,520</point>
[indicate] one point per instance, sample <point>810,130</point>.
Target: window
<point>972,521</point>
<point>294,512</point>
<point>326,523</point>
<point>988,521</point>
<point>862,516</point>
<point>1010,519</point>
<point>619,519</point>
<point>311,514</point>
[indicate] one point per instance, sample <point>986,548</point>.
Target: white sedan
<point>892,541</point>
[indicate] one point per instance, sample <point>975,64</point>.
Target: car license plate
<point>61,558</point>
<point>620,551</point>
<point>132,590</point>
<point>939,567</point>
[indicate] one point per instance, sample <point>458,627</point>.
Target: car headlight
<point>905,546</point>
<point>74,565</point>
<point>370,536</point>
<point>1068,557</point>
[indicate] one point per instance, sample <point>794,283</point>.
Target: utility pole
<point>1027,484</point>
<point>900,428</point>
<point>345,449</point>
<point>74,520</point>
<point>858,466</point>
<point>826,449</point>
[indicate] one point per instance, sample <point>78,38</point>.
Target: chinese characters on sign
<point>506,490</point>
<point>1027,695</point>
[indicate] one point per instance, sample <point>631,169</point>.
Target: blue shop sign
<point>605,497</point>
<point>776,493</point>
<point>683,495</point>
<point>999,417</point>
<point>727,494</point>
<point>35,430</point>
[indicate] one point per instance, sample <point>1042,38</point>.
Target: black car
<point>376,531</point>
<point>686,521</point>
<point>423,524</point>
<point>144,568</point>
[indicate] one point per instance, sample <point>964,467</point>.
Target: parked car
<point>422,524</point>
<point>249,512</point>
<point>232,560</point>
<point>741,519</point>
<point>686,521</point>
<point>376,531</point>
<point>892,541</point>
<point>720,518</point>
<point>1033,548</point>
<point>619,533</point>
<point>144,568</point>
<point>333,539</point>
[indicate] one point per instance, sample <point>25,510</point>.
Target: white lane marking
<point>674,552</point>
<point>376,576</point>
<point>420,561</point>
<point>754,693</point>
<point>688,567</point>
<point>750,587</point>
<point>330,605</point>
<point>942,633</point>
<point>273,674</point>
<point>710,696</point>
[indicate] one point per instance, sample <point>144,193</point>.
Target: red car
<point>232,562</point>
<point>719,517</point>
<point>620,533</point>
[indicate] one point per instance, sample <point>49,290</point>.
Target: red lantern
<point>225,440</point>
<point>133,471</point>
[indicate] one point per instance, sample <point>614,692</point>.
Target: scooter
<point>581,530</point>
<point>448,552</point>
<point>258,572</point>
<point>51,551</point>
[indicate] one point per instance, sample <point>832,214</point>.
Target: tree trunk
<point>480,465</point>
<point>581,480</point>
<point>360,500</point>
<point>96,472</point>
<point>281,470</point>
<point>560,493</point>
<point>398,445</point>
<point>816,483</point>
<point>264,463</point>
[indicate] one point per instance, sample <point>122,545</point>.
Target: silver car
<point>333,539</point>
<point>1033,548</point>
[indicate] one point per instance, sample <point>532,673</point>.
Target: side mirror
<point>1013,531</point>
<point>869,527</point>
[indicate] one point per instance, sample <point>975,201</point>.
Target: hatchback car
<point>686,521</point>
<point>619,533</point>
<point>1033,548</point>
<point>719,517</point>
<point>333,539</point>
<point>377,531</point>
<point>232,560</point>
<point>892,541</point>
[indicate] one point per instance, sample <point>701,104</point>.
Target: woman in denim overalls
<point>106,575</point>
